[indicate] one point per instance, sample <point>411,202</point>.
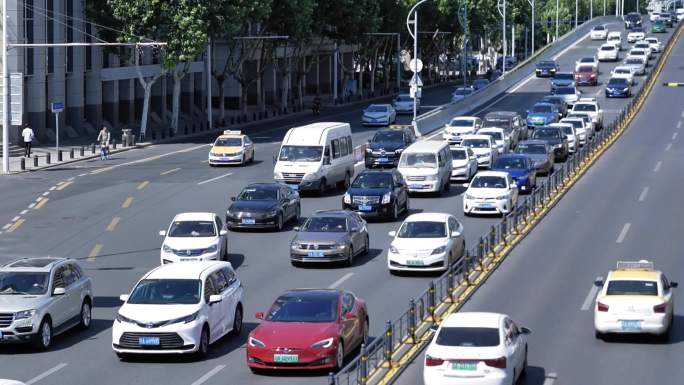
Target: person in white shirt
<point>28,135</point>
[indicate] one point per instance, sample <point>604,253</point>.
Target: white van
<point>316,157</point>
<point>426,166</point>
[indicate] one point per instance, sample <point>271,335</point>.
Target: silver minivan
<point>426,166</point>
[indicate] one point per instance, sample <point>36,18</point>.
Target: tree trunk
<point>146,109</point>
<point>222,96</point>
<point>175,103</point>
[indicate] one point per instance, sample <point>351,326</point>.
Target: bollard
<point>363,365</point>
<point>331,378</point>
<point>411,339</point>
<point>480,253</point>
<point>23,163</point>
<point>113,144</point>
<point>47,158</point>
<point>185,130</point>
<point>432,303</point>
<point>35,161</point>
<point>492,239</point>
<point>389,346</point>
<point>450,284</point>
<point>59,156</point>
<point>254,116</point>
<point>92,149</point>
<point>504,230</point>
<point>71,153</point>
<point>82,151</point>
<point>466,268</point>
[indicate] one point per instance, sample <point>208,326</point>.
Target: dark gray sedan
<point>330,236</point>
<point>540,153</point>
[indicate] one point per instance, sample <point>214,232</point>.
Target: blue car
<point>542,114</point>
<point>520,168</point>
<point>618,88</point>
<point>563,79</point>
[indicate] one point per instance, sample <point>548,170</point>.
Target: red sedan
<point>308,329</point>
<point>586,75</point>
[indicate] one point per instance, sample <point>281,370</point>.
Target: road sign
<point>16,98</point>
<point>416,66</point>
<point>416,81</point>
<point>57,107</point>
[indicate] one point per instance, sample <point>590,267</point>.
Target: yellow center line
<point>127,203</point>
<point>65,185</point>
<point>16,225</point>
<point>112,225</point>
<point>94,252</point>
<point>170,171</point>
<point>143,185</point>
<point>41,203</point>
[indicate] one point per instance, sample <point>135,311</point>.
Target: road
<point>107,214</point>
<point>624,208</point>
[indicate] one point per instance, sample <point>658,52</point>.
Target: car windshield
<point>463,91</point>
<point>228,142</point>
<point>418,160</point>
<point>496,122</point>
<point>629,287</point>
<point>303,308</point>
<point>458,154</point>
<point>550,100</point>
<point>373,180</point>
<point>301,153</point>
<point>476,143</point>
<point>507,163</point>
<point>584,107</point>
<point>487,181</point>
<point>563,76</point>
<point>637,52</point>
<point>376,108</point>
<point>545,134</point>
<point>388,136</point>
<point>541,108</point>
<point>422,230</point>
<point>567,130</point>
<point>18,283</point>
<point>608,48</point>
<point>184,229</point>
<point>587,60</point>
<point>575,123</point>
<point>258,194</point>
<point>468,337</point>
<point>617,82</point>
<point>524,148</point>
<point>599,28</point>
<point>614,38</point>
<point>623,71</point>
<point>461,123</point>
<point>404,98</point>
<point>585,69</point>
<point>546,64</point>
<point>166,292</point>
<point>634,61</point>
<point>564,91</point>
<point>322,224</point>
<point>494,135</point>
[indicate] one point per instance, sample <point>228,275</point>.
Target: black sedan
<point>386,146</point>
<point>546,68</point>
<point>556,139</point>
<point>380,194</point>
<point>264,205</point>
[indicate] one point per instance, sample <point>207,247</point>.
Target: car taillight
<point>602,307</point>
<point>496,363</point>
<point>660,308</point>
<point>433,361</point>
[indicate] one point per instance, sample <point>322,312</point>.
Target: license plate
<point>416,186</point>
<point>383,160</point>
<point>414,262</point>
<point>187,259</point>
<point>631,325</point>
<point>316,253</point>
<point>464,366</point>
<point>248,221</point>
<point>365,208</point>
<point>148,341</point>
<point>287,358</point>
<point>486,205</point>
<point>294,186</point>
<point>224,158</point>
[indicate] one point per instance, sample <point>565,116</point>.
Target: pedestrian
<point>28,135</point>
<point>103,138</point>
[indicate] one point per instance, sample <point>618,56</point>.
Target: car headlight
<point>26,314</point>
<point>500,197</point>
<point>470,197</point>
<point>272,213</point>
<point>211,249</point>
<point>347,198</point>
<point>482,155</point>
<point>167,249</point>
<point>393,250</point>
<point>369,150</point>
<point>398,150</point>
<point>310,176</point>
<point>323,344</point>
<point>386,198</point>
<point>439,250</point>
<point>121,318</point>
<point>277,175</point>
<point>430,177</point>
<point>256,343</point>
<point>625,90</point>
<point>559,145</point>
<point>295,245</point>
<point>341,246</point>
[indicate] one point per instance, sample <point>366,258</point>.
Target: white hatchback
<point>490,192</point>
<point>502,141</point>
<point>483,146</point>
<point>194,237</point>
<point>180,308</point>
<point>476,348</point>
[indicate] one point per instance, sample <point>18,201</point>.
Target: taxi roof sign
<point>232,132</point>
<point>636,265</point>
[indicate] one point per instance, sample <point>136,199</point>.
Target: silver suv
<point>42,297</point>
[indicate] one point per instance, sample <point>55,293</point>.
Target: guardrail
<point>436,118</point>
<point>381,360</point>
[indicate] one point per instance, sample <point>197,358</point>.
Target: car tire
<point>407,207</point>
<point>237,321</point>
<point>251,159</point>
<point>339,356</point>
<point>366,246</point>
<point>86,315</point>
<point>523,370</point>
<point>43,339</point>
<point>279,223</point>
<point>346,182</point>
<point>599,336</point>
<point>395,211</point>
<point>294,263</point>
<point>298,214</point>
<point>323,188</point>
<point>123,356</point>
<point>203,344</point>
<point>350,257</point>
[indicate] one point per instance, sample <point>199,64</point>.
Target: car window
<point>335,148</point>
<point>468,337</point>
<point>664,283</point>
<point>219,280</point>
<point>632,287</point>
<point>230,275</point>
<point>219,224</point>
<point>208,289</point>
<point>68,276</point>
<point>76,269</point>
<point>453,225</point>
<point>347,303</point>
<point>248,141</point>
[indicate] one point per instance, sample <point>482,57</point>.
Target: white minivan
<point>316,157</point>
<point>426,166</point>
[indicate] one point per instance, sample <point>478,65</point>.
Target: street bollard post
<point>504,229</point>
<point>71,153</point>
<point>22,163</point>
<point>331,378</point>
<point>363,365</point>
<point>82,151</point>
<point>47,158</point>
<point>35,161</point>
<point>412,322</point>
<point>59,156</point>
<point>389,346</point>
<point>432,303</point>
<point>450,284</point>
<point>92,149</point>
<point>480,253</point>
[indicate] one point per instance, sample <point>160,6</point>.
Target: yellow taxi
<point>232,147</point>
<point>635,298</point>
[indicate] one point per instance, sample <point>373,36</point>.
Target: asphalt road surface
<point>107,214</point>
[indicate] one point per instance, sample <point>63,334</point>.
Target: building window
<point>50,34</point>
<point>69,35</point>
<point>28,37</point>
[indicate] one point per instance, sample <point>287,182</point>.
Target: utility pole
<point>463,20</point>
<point>5,93</point>
<point>210,113</point>
<point>576,12</point>
<point>414,34</point>
<point>531,2</point>
<point>501,7</point>
<point>557,10</point>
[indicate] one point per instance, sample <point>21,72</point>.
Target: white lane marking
<point>213,179</point>
<point>23,212</point>
<point>205,161</point>
<point>72,178</point>
<point>15,218</point>
<point>45,374</point>
<point>657,166</point>
<point>53,188</point>
<point>674,136</point>
<point>46,193</point>
<point>643,194</point>
<point>84,174</point>
<point>39,199</point>
<point>679,124</point>
<point>209,375</point>
<point>7,226</point>
<point>591,295</point>
<point>340,281</point>
<point>550,378</point>
<point>623,233</point>
<point>598,93</point>
<point>149,159</point>
<point>31,205</point>
<point>668,147</point>
<point>682,114</point>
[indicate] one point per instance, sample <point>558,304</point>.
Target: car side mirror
<point>392,234</point>
<point>455,234</point>
<point>349,316</point>
<point>162,233</point>
<point>598,283</point>
<point>259,315</point>
<point>233,199</point>
<point>215,299</point>
<point>525,330</point>
<point>600,111</point>
<point>674,284</point>
<point>567,137</point>
<point>59,291</point>
<point>123,297</point>
<point>223,232</point>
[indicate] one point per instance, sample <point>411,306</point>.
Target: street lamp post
<point>5,93</point>
<point>501,7</point>
<point>576,12</point>
<point>414,34</point>
<point>463,20</point>
<point>532,5</point>
<point>557,10</point>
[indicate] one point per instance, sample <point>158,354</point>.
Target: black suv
<point>378,193</point>
<point>632,20</point>
<point>386,146</point>
<point>556,140</point>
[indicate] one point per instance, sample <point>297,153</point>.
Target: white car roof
<point>501,174</point>
<point>380,105</point>
<point>608,45</point>
<point>561,124</point>
<point>465,118</point>
<point>184,270</point>
<point>464,137</point>
<point>615,33</point>
<point>434,217</point>
<point>425,146</point>
<point>473,319</point>
<point>491,129</point>
<point>196,216</point>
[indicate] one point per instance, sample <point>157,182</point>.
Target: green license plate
<point>464,366</point>
<point>414,262</point>
<point>287,358</point>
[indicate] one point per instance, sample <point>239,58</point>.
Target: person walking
<point>103,138</point>
<point>28,135</point>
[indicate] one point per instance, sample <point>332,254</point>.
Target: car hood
<point>404,104</point>
<point>459,130</point>
<point>16,302</point>
<point>226,149</point>
<point>376,115</point>
<point>387,146</point>
<point>297,167</point>
<point>353,191</point>
<point>618,88</point>
<point>297,335</point>
<point>514,172</point>
<point>320,237</point>
<point>253,206</point>
<point>178,243</point>
<point>538,158</point>
<point>540,115</point>
<point>479,151</point>
<point>156,313</point>
<point>418,244</point>
<point>486,192</point>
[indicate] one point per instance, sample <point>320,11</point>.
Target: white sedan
<point>379,115</point>
<point>403,104</point>
<point>194,237</point>
<point>634,36</point>
<point>461,93</point>
<point>639,53</point>
<point>476,348</point>
<point>502,141</point>
<point>599,33</point>
<point>623,72</point>
<point>636,63</point>
<point>459,126</point>
<point>654,43</point>
<point>608,52</point>
<point>490,192</point>
<point>426,242</point>
<point>582,128</point>
<point>483,146</point>
<point>463,163</point>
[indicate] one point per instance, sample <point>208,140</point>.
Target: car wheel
<point>364,332</point>
<point>323,187</point>
<point>294,263</point>
<point>203,348</point>
<point>237,321</point>
<point>279,224</point>
<point>523,370</point>
<point>366,246</point>
<point>123,356</point>
<point>251,159</point>
<point>447,186</point>
<point>407,206</point>
<point>339,356</point>
<point>350,256</point>
<point>43,339</point>
<point>395,211</point>
<point>599,336</point>
<point>298,214</point>
<point>347,182</point>
<point>86,315</point>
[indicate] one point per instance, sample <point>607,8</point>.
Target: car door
<point>223,239</point>
<point>214,312</point>
<point>59,306</point>
<point>71,300</point>
<point>351,327</point>
<point>249,147</point>
<point>511,344</point>
<point>454,245</point>
<point>231,296</point>
<point>513,189</point>
<point>400,191</point>
<point>666,289</point>
<point>472,162</point>
<point>80,288</point>
<point>355,226</point>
